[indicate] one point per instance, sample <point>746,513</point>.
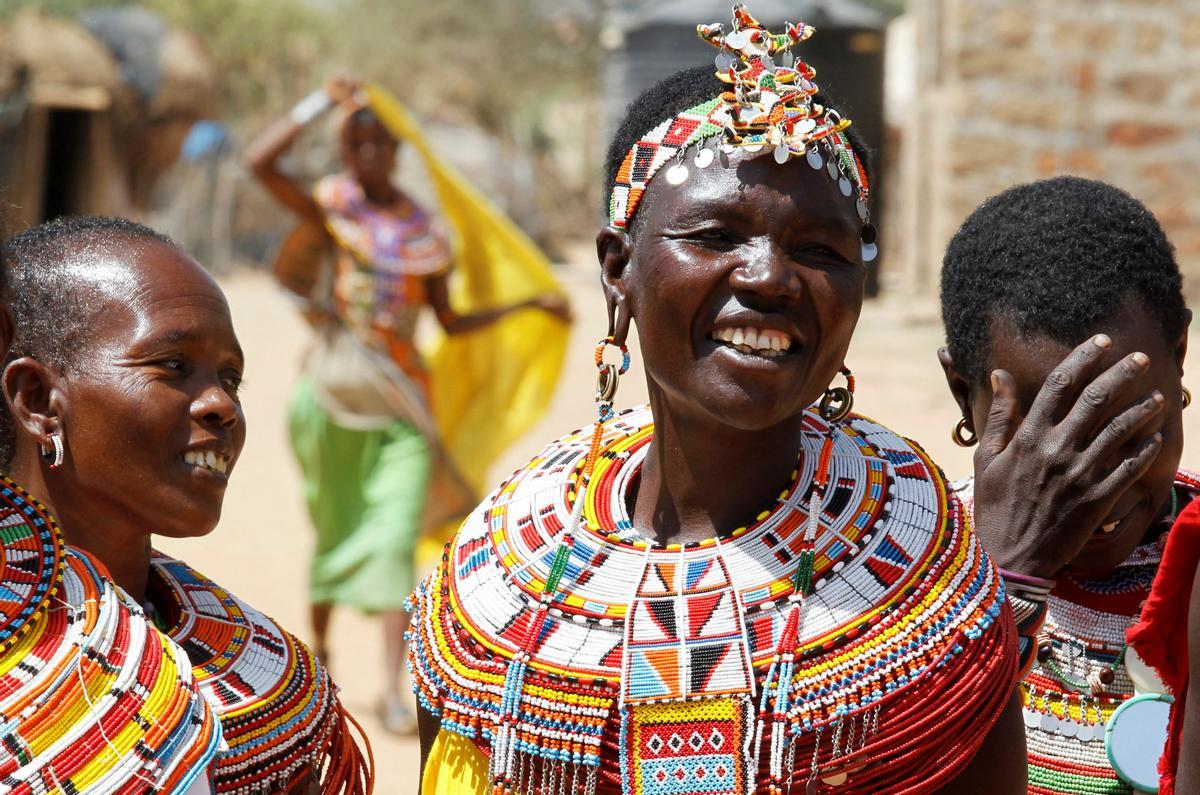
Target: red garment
<point>1161,638</point>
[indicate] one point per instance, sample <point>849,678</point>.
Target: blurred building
<point>993,92</point>
<point>92,111</point>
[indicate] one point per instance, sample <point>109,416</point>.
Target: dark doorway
<point>66,165</point>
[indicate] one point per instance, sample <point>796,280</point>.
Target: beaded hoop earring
<point>609,376</point>
<point>956,433</point>
<point>837,401</point>
<point>54,456</point>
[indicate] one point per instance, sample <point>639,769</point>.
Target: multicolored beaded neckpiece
<point>770,104</point>
<point>92,698</point>
<point>701,668</point>
<point>277,704</point>
<point>1079,675</point>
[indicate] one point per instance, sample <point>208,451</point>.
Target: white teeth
<point>763,342</point>
<point>208,460</point>
<point>1108,528</point>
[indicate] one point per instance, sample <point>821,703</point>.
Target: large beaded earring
<point>609,375</point>
<point>837,401</point>
<point>54,456</point>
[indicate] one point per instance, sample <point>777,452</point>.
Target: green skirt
<point>366,493</point>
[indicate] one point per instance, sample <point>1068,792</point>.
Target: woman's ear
<point>1181,344</point>
<point>613,249</point>
<point>32,393</point>
<point>960,387</point>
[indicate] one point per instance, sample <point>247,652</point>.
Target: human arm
<point>263,153</point>
<point>1045,482</point>
<point>454,323</point>
<point>1187,775</point>
<point>1000,766</point>
<point>428,726</point>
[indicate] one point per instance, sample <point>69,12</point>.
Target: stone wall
<point>1007,91</point>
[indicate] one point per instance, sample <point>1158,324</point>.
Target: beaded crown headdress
<point>770,102</point>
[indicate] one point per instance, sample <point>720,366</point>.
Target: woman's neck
<point>702,478</point>
<point>124,552</point>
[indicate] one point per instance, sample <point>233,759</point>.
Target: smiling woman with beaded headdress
<point>744,587</point>
<point>122,416</point>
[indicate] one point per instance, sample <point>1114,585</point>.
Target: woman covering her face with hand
<point>743,587</point>
<point>123,418</point>
<point>1066,333</point>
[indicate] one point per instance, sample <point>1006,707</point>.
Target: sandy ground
<point>260,551</point>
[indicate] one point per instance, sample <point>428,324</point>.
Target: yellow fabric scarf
<point>491,385</point>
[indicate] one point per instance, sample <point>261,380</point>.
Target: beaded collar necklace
<point>276,702</point>
<point>711,641</point>
<point>93,699</point>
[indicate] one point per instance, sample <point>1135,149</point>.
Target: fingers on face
<point>1004,416</point>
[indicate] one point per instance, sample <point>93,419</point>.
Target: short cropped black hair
<point>53,307</point>
<point>670,97</point>
<point>1055,258</point>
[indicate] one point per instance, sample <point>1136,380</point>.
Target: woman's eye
<point>820,252</point>
<point>173,364</point>
<point>234,384</point>
<point>710,236</point>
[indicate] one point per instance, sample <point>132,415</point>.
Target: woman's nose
<point>768,271</point>
<point>215,405</point>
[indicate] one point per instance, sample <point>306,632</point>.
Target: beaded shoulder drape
<point>660,668</point>
<point>93,699</point>
<point>277,704</point>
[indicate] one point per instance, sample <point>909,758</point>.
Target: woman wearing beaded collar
<point>730,591</point>
<point>123,417</point>
<point>94,699</point>
<point>1077,400</point>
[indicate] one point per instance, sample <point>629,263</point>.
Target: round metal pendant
<point>1049,723</point>
<point>1068,728</point>
<point>1032,718</point>
<point>723,61</point>
<point>738,39</point>
<point>1134,739</point>
<point>677,173</point>
<point>782,153</point>
<point>844,186</point>
<point>814,158</point>
<point>869,252</point>
<point>836,403</point>
<point>704,157</point>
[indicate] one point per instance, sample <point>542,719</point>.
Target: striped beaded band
<point>97,701</point>
<point>277,704</point>
<point>31,561</point>
<point>770,103</point>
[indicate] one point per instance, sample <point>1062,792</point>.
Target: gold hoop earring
<point>1187,396</point>
<point>837,401</point>
<point>956,433</point>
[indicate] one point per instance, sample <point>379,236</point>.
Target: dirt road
<point>260,551</point>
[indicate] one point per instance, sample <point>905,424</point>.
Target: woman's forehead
<point>750,183</point>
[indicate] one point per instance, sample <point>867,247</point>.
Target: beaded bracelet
<point>1028,580</point>
<point>311,107</point>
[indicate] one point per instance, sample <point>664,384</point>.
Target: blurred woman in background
<point>361,422</point>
